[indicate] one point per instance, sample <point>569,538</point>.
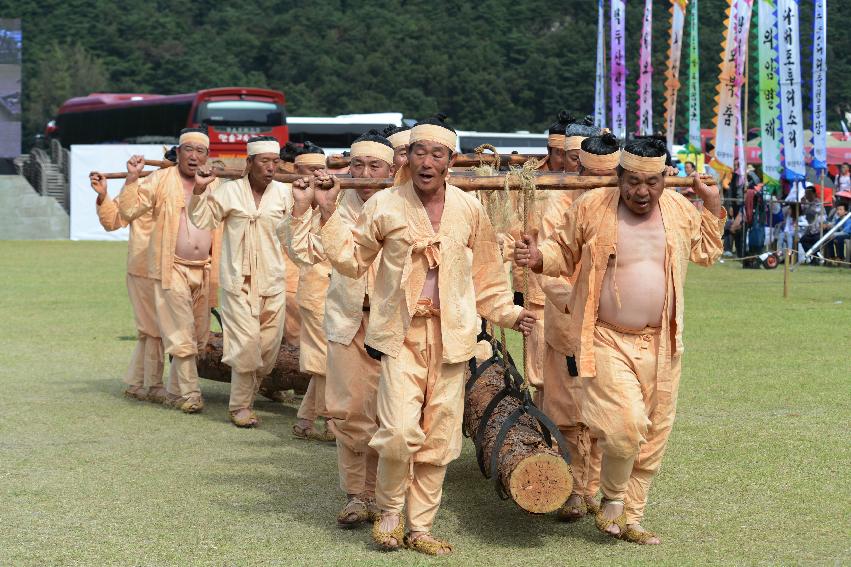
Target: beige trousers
<point>251,342</point>
<point>351,388</point>
<point>183,312</point>
<point>146,363</point>
<point>312,352</point>
<point>562,405</point>
<point>618,404</point>
<point>292,324</point>
<point>420,407</point>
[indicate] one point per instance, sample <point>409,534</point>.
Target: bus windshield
<point>240,112</point>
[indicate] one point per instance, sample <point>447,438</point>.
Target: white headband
<point>311,158</point>
<point>598,162</point>
<point>434,133</point>
<point>555,141</point>
<point>638,164</point>
<point>368,148</point>
<point>573,142</point>
<point>402,138</point>
<point>264,147</point>
<point>196,137</point>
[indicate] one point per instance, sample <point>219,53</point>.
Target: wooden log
<point>533,474</point>
<point>285,375</point>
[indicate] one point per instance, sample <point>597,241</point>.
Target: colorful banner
<point>645,73</point>
<point>618,67</point>
<point>730,80</point>
<point>769,93</point>
<point>600,84</point>
<point>794,166</point>
<point>820,86</point>
<point>743,28</point>
<point>672,73</point>
<point>694,141</point>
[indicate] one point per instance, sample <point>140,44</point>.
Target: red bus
<point>231,115</point>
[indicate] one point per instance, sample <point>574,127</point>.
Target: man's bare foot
<point>637,534</point>
<point>387,532</point>
<point>426,543</point>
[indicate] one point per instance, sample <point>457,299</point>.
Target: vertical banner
<point>819,92</point>
<point>672,73</point>
<point>10,87</point>
<point>694,139</point>
<point>769,95</point>
<point>600,83</point>
<point>730,80</point>
<point>645,73</point>
<point>794,167</point>
<point>618,67</point>
<point>743,28</point>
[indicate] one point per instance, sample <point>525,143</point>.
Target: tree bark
<point>285,375</point>
<point>535,476</point>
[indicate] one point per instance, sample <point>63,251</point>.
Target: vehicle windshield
<point>241,112</point>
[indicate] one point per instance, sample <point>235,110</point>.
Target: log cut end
<point>541,483</point>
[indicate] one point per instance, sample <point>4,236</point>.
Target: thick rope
<point>524,177</point>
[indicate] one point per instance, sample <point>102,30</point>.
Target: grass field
<point>757,470</point>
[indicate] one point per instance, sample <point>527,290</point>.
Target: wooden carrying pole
<point>337,161</point>
<point>545,181</point>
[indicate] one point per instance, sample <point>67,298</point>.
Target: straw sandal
<point>603,523</point>
<point>637,536</point>
<point>354,513</point>
<point>135,393</point>
<point>156,395</point>
<point>251,420</point>
<point>575,511</point>
<point>382,538</point>
<point>430,546</point>
<point>372,508</point>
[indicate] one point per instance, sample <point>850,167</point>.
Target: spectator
<point>689,168</point>
<point>843,180</point>
<point>835,248</point>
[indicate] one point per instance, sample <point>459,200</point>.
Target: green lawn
<point>757,471</point>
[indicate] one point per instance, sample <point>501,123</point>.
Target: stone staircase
<point>26,215</point>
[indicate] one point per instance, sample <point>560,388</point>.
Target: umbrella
<point>844,194</point>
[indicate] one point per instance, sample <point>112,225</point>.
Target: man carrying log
<point>351,382</point>
<point>630,246</point>
<point>531,295</point>
<point>439,264</point>
<point>313,281</point>
<point>146,364</point>
<point>181,258</point>
<point>398,137</point>
<point>598,155</point>
<point>252,270</point>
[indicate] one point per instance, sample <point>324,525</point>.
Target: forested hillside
<point>490,65</point>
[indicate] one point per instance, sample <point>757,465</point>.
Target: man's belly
<point>641,289</point>
<point>192,243</point>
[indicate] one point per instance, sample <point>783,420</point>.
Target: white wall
<point>106,158</point>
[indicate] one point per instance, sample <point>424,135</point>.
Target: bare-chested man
<point>182,258</point>
<point>599,156</point>
<point>626,333</point>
